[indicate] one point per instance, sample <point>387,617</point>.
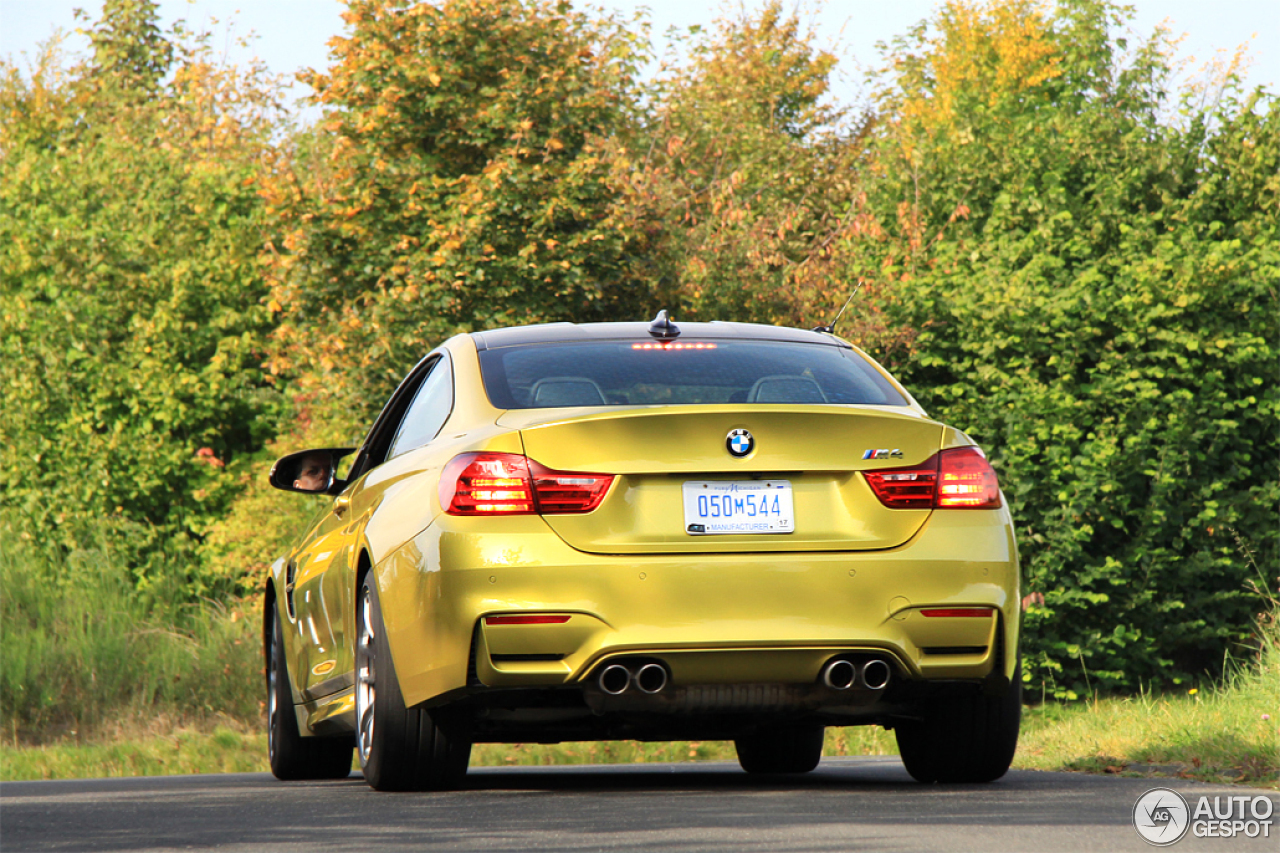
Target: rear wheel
<point>781,749</point>
<point>969,736</point>
<point>401,749</point>
<point>291,755</point>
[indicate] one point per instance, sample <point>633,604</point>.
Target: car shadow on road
<point>879,774</point>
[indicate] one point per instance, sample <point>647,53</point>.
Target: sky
<point>292,34</point>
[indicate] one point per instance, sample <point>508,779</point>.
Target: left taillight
<point>956,478</point>
<point>512,484</point>
<point>487,484</point>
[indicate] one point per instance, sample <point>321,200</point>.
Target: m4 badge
<point>882,454</point>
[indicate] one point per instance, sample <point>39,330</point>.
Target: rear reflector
<point>957,478</point>
<point>512,484</point>
<point>558,619</point>
<point>958,611</point>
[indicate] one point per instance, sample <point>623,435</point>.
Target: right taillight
<point>958,478</point>
<point>966,480</point>
<point>512,484</point>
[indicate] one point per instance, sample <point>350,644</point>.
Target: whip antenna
<point>831,327</point>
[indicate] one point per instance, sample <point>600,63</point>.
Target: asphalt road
<point>845,805</point>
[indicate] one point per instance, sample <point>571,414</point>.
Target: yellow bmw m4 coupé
<point>710,531</point>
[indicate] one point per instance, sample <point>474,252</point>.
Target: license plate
<point>738,506</point>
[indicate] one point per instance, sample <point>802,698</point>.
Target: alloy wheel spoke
<point>272,703</point>
<point>366,680</point>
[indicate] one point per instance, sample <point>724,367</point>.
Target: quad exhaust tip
<point>841,674</point>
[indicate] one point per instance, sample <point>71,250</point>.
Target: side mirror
<point>312,472</point>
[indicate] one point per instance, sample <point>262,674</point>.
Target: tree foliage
<point>1091,266</point>
<point>129,291</point>
<point>744,169</point>
<point>458,181</point>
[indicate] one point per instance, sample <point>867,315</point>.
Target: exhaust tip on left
<point>614,679</point>
<point>839,674</point>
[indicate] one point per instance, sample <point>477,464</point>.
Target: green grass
<point>1229,733</point>
<point>223,750</point>
<point>83,649</point>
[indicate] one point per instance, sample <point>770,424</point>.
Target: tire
<point>784,749</point>
<point>400,749</point>
<point>967,737</point>
<point>291,755</point>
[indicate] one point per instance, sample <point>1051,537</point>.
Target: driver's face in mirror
<point>313,473</point>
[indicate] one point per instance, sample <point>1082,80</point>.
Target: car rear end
<point>703,537</point>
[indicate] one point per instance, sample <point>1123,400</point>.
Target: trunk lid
<point>817,450</point>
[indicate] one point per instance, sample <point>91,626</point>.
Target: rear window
<point>686,373</point>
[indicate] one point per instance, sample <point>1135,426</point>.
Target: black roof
<point>548,333</point>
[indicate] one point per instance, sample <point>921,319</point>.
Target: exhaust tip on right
<point>876,674</point>
<point>651,678</point>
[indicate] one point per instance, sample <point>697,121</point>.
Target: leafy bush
<point>130,301</point>
<point>1093,282</point>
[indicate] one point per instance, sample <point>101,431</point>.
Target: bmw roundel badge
<point>739,442</point>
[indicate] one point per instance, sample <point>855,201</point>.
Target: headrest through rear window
<point>786,389</point>
<point>566,391</point>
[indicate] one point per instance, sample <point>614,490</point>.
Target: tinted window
<point>687,373</point>
<point>427,413</point>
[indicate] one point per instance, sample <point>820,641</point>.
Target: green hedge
<point>1093,284</point>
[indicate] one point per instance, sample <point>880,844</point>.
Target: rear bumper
<point>713,619</point>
